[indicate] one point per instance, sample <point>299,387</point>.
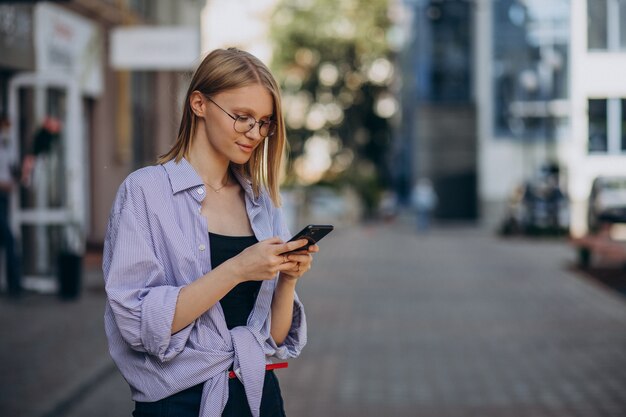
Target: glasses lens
<point>244,124</point>
<point>268,128</point>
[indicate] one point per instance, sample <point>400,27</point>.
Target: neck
<point>212,169</point>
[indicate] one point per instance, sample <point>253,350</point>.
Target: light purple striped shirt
<point>157,242</point>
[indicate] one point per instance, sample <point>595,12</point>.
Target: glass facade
<point>444,59</point>
<point>530,68</point>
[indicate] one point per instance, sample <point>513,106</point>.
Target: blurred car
<point>538,207</point>
<point>607,202</point>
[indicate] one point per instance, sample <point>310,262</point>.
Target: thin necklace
<point>217,190</point>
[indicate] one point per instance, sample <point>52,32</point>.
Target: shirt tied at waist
<point>249,358</point>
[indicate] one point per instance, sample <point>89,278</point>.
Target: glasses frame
<point>236,118</point>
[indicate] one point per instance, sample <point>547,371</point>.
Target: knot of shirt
<point>249,360</point>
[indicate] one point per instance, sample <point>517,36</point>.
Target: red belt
<point>268,367</point>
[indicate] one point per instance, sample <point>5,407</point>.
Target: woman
<point>200,288</point>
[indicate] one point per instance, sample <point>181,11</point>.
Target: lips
<point>245,148</point>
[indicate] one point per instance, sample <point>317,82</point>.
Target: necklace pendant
<point>218,189</point>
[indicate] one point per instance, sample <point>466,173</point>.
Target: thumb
<point>273,240</point>
<point>289,246</point>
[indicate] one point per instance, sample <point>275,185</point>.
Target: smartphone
<point>313,233</point>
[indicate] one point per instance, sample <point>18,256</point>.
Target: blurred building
<point>444,111</point>
<point>110,72</point>
<point>497,89</point>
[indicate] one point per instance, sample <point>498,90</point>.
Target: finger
<point>280,259</point>
<point>298,252</point>
<point>287,267</point>
<point>300,258</point>
<point>289,246</point>
<point>293,273</point>
<point>273,240</point>
<point>314,249</point>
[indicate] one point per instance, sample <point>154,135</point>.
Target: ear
<point>197,102</point>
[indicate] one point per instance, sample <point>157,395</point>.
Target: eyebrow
<point>250,111</point>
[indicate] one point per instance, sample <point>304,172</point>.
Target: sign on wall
<point>155,48</point>
<point>69,44</point>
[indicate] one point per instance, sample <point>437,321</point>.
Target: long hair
<point>227,69</point>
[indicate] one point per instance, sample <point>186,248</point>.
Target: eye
<point>245,119</point>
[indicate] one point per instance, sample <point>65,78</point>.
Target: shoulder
<point>139,185</point>
<point>146,177</point>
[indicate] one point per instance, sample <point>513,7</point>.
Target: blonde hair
<point>227,69</point>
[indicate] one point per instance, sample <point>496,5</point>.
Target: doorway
<point>49,208</point>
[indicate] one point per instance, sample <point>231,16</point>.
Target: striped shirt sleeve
<point>296,338</point>
<point>142,302</point>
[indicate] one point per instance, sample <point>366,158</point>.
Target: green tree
<point>334,63</point>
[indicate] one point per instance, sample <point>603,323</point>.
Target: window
<point>143,117</point>
<point>623,125</point>
<point>530,68</point>
<point>606,25</point>
<point>598,125</point>
<point>144,8</point>
<point>622,19</point>
<point>597,24</point>
<point>607,125</point>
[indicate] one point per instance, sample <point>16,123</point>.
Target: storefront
<point>79,121</point>
<point>49,123</point>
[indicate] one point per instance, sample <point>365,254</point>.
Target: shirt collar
<point>246,184</point>
<point>183,176</point>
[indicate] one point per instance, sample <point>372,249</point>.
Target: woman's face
<point>251,101</point>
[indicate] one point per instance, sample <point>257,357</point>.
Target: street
<point>457,322</point>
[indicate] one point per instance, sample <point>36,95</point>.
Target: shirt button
<point>202,247</point>
<point>200,191</point>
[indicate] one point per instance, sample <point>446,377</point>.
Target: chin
<point>240,159</point>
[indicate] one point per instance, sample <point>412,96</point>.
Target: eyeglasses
<point>244,124</point>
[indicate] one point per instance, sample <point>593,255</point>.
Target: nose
<point>255,132</point>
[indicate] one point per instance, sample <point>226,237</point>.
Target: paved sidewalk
<point>54,353</point>
<point>455,323</point>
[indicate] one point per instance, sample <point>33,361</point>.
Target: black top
<point>239,302</point>
<point>237,306</point>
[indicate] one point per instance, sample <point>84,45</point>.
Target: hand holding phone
<point>313,233</point>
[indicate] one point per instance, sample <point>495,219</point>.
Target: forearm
<point>199,296</point>
<point>261,261</point>
<point>282,309</point>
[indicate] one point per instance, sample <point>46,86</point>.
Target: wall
<point>594,75</point>
<point>112,139</point>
